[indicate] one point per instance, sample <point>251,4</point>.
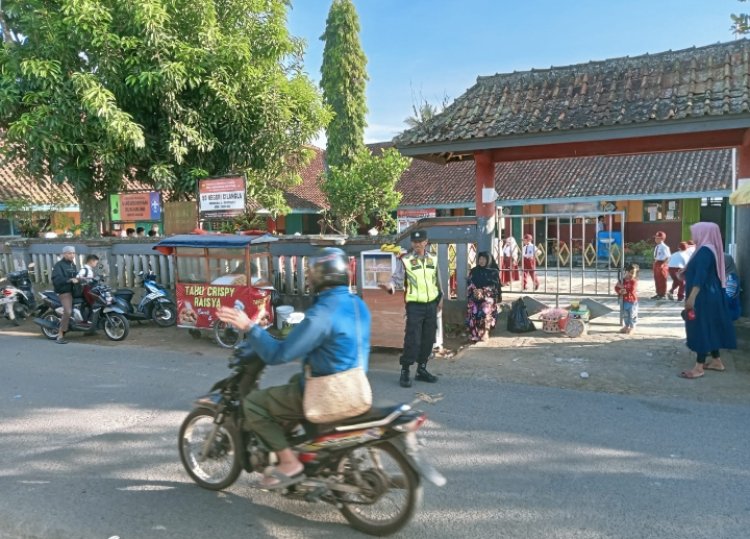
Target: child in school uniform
<point>628,289</point>
<point>677,263</point>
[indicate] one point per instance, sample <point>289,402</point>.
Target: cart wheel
<point>195,333</point>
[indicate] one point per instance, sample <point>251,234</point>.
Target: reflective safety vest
<point>420,278</point>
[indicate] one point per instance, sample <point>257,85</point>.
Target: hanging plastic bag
<point>518,320</point>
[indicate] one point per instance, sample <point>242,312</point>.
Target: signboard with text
<point>406,218</point>
<point>220,198</point>
<point>132,207</point>
<point>197,303</point>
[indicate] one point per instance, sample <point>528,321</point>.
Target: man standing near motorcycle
<point>326,340</point>
<point>64,276</point>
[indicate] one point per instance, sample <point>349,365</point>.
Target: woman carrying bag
<point>483,297</point>
<point>334,353</point>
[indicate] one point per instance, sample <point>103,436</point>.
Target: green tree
<point>92,91</point>
<point>740,22</point>
<point>365,189</point>
<point>343,81</point>
<point>423,111</point>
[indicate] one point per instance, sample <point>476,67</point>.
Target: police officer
<point>418,274</point>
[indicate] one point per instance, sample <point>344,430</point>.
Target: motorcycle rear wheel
<point>385,471</point>
<point>226,335</point>
<point>164,314</point>
<point>222,466</point>
<point>116,326</point>
<point>51,333</point>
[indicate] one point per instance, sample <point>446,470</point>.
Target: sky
<point>431,49</point>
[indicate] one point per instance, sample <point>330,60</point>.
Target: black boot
<point>405,380</point>
<point>423,375</point>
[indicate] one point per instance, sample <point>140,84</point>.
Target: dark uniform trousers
<point>421,329</point>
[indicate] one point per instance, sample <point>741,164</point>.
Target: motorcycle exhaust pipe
<point>46,323</point>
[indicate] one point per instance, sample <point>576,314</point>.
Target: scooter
<point>95,310</point>
<point>17,298</point>
<point>154,305</point>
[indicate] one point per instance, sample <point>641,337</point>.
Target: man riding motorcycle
<point>326,340</point>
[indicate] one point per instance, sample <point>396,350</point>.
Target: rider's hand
<point>238,319</point>
<point>74,280</point>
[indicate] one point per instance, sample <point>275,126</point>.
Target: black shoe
<point>405,379</point>
<point>61,340</point>
<point>424,376</point>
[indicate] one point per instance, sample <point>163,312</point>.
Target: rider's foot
<point>405,379</point>
<point>61,340</point>
<point>423,375</point>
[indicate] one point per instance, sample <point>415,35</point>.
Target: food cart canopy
<point>203,241</point>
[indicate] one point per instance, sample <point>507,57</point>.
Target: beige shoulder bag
<point>328,399</point>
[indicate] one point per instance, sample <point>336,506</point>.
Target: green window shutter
<point>691,214</point>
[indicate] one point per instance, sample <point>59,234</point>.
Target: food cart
<point>215,270</point>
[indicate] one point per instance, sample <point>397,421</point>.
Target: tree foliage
<point>423,111</point>
<point>365,189</point>
<point>344,77</point>
<point>164,92</point>
<point>740,22</point>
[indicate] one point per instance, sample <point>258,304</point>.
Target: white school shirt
<point>86,272</point>
<point>677,260</point>
<point>662,252</point>
<point>529,250</point>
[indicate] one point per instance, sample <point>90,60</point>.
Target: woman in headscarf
<point>483,297</point>
<point>510,261</point>
<point>708,323</point>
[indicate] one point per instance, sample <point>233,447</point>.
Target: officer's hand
<point>388,287</point>
<point>440,305</point>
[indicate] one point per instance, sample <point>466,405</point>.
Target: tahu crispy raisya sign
<point>197,303</point>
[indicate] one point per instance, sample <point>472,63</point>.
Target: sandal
<point>274,479</point>
<point>690,375</point>
<point>708,367</point>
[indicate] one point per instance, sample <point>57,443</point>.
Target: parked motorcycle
<point>95,310</point>
<point>17,297</point>
<point>154,305</point>
<point>369,466</point>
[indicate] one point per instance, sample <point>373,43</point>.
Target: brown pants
<point>66,300</point>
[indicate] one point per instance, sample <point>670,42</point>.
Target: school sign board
<point>219,198</point>
<point>132,207</point>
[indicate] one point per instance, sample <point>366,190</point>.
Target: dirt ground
<point>646,363</point>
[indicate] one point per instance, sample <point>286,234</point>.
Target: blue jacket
<point>326,339</point>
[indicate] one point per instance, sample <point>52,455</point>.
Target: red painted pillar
<point>742,224</point>
<point>485,179</point>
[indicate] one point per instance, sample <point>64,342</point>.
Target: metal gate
<point>574,254</point>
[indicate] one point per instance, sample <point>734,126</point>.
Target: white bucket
<point>282,313</point>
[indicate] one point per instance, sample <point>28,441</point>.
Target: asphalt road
<point>88,448</point>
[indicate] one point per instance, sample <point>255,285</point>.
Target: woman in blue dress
<point>708,323</point>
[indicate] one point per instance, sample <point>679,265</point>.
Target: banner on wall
<point>406,218</point>
<point>131,207</point>
<point>219,198</point>
<point>197,303</point>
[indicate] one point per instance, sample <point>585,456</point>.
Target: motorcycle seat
<point>125,293</point>
<point>54,297</point>
<point>373,414</point>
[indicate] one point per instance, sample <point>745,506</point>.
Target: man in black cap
<point>418,275</point>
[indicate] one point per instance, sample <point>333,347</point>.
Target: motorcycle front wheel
<point>226,335</point>
<point>51,333</point>
<point>116,326</point>
<point>390,489</point>
<point>214,466</point>
<point>163,314</point>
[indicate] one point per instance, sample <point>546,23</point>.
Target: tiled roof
<point>15,183</point>
<point>637,176</point>
<point>307,195</point>
<point>694,83</point>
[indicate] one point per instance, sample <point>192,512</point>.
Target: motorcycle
<point>18,297</point>
<point>95,310</point>
<point>154,305</point>
<point>359,465</point>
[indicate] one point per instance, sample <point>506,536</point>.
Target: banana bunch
<point>391,248</point>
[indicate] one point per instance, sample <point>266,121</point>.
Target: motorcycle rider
<point>87,271</point>
<point>326,340</point>
<point>64,276</point>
